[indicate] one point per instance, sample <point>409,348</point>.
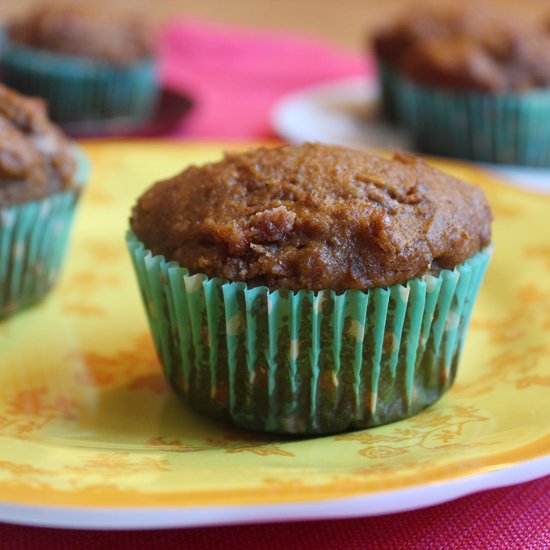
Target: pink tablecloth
<point>235,77</point>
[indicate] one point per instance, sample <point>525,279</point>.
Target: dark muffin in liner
<point>310,289</point>
<point>41,177</point>
<point>469,83</point>
<point>392,43</point>
<point>486,100</point>
<point>89,66</point>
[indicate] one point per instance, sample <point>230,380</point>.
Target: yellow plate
<point>87,421</point>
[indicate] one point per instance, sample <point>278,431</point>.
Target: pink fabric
<point>515,518</point>
<point>235,76</point>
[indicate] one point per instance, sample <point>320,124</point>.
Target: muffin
<point>478,88</point>
<point>417,25</point>
<point>41,177</point>
<point>90,66</point>
<point>310,289</point>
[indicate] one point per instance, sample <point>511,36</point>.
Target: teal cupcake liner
<point>80,90</point>
<point>499,128</point>
<point>387,79</point>
<point>307,362</point>
<point>33,242</point>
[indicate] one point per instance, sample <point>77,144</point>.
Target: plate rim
<point>181,516</point>
<point>279,110</point>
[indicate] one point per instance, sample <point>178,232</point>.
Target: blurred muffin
<point>420,24</point>
<point>310,289</point>
<point>485,98</point>
<point>88,65</point>
<point>472,85</point>
<point>41,177</point>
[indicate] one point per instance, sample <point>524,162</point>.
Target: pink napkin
<point>235,76</point>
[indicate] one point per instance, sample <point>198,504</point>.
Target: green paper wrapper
<point>33,242</point>
<point>388,79</point>
<point>499,128</point>
<point>305,362</point>
<point>78,89</point>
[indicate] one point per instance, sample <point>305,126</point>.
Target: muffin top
<point>313,217</point>
<point>467,49</point>
<point>83,31</point>
<point>35,157</point>
<point>430,23</point>
<point>507,61</point>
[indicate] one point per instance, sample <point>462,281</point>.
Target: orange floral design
<point>79,291</point>
<point>116,463</point>
<point>503,209</point>
<point>135,367</point>
<point>265,450</point>
<point>102,251</point>
<point>29,411</point>
<point>540,252</point>
<point>83,282</point>
<point>85,310</point>
<point>533,380</point>
<point>98,196</point>
<point>428,430</point>
<point>21,469</point>
<point>381,451</point>
<point>231,444</point>
<point>512,366</point>
<point>530,309</point>
<point>108,467</point>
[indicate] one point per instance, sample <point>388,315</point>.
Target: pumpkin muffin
<point>41,176</point>
<point>472,85</point>
<point>503,62</point>
<point>391,43</point>
<point>89,65</point>
<point>310,289</point>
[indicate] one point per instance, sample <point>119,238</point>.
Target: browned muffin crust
<point>35,158</point>
<point>313,217</point>
<point>505,61</point>
<point>392,41</point>
<point>83,31</point>
<point>427,23</point>
<point>467,48</point>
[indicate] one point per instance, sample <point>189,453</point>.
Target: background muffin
<point>310,289</point>
<point>89,65</point>
<point>418,25</point>
<point>41,176</point>
<point>473,85</point>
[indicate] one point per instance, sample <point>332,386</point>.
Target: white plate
<point>346,112</point>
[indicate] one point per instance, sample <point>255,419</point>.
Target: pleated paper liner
<point>304,362</point>
<point>503,128</point>
<point>33,242</point>
<point>79,89</point>
<point>388,79</point>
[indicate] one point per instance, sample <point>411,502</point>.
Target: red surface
<point>510,518</point>
<point>234,78</point>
